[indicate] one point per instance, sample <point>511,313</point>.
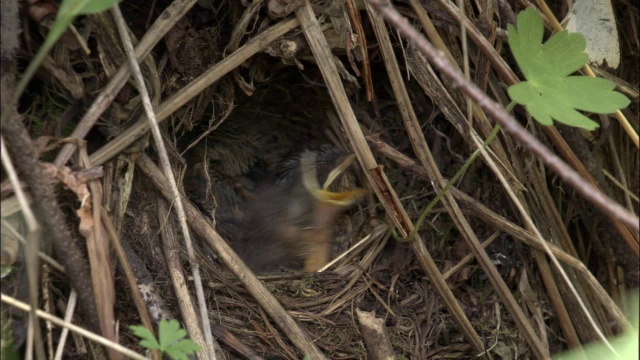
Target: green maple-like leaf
<point>170,335</point>
<point>549,92</point>
<point>170,339</point>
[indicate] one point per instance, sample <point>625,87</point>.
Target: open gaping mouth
<point>323,194</point>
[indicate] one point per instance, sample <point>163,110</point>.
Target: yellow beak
<point>310,180</point>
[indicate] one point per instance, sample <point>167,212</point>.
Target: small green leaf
<point>148,340</point>
<point>170,339</point>
<point>549,93</point>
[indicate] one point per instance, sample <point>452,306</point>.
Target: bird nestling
<point>291,223</point>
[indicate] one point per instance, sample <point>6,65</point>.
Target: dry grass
<point>474,279</point>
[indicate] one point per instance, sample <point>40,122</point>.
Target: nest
<point>238,84</point>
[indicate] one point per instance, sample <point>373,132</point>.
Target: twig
<point>502,224</point>
<point>68,315</point>
<point>98,252</point>
<point>423,152</point>
<point>516,130</point>
<point>507,122</point>
<point>526,218</point>
<point>168,172</point>
<point>171,247</point>
<point>129,275</point>
<point>375,335</point>
<point>375,174</point>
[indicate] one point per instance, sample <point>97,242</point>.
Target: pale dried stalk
<point>168,172</point>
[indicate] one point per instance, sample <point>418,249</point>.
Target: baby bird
<point>290,224</point>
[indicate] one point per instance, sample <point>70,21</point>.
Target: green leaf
<point>170,335</point>
<point>84,7</point>
<point>149,341</point>
<point>170,339</point>
<point>549,92</point>
<point>181,349</point>
<point>170,332</point>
